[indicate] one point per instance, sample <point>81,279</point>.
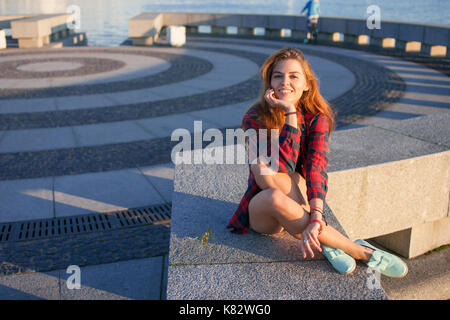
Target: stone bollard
<point>176,36</point>
<point>2,39</point>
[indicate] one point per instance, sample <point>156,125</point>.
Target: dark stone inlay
<point>183,67</point>
<point>84,249</point>
<point>375,88</point>
<point>8,69</point>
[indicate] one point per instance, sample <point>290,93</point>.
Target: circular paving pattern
<point>182,67</point>
<point>375,87</point>
<point>56,67</point>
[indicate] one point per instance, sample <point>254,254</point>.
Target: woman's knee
<point>274,198</point>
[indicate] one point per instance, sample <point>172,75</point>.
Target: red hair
<point>310,102</point>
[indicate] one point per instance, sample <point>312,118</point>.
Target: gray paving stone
<point>125,280</point>
<point>103,192</point>
<point>82,102</point>
<point>432,128</point>
<point>109,133</point>
<point>164,126</point>
<point>225,117</point>
<point>37,139</point>
<point>27,105</point>
<point>26,199</point>
<point>32,286</point>
<point>161,177</point>
<point>205,197</point>
<point>307,280</point>
<point>250,266</point>
<point>366,146</point>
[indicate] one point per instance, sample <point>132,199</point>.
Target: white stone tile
<point>110,133</point>
<point>161,177</point>
<point>26,199</point>
<point>37,139</point>
<point>103,192</point>
<point>135,279</point>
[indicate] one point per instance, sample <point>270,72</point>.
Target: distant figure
<point>313,7</point>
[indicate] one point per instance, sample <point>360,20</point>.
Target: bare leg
<point>283,205</point>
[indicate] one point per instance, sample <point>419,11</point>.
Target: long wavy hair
<point>310,102</point>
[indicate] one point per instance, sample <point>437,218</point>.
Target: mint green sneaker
<point>341,261</point>
<point>384,262</point>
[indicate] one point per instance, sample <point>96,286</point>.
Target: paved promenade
<point>87,130</point>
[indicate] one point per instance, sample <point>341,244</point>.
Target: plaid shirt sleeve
<point>317,158</point>
<point>289,145</point>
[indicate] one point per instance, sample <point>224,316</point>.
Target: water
<point>106,21</point>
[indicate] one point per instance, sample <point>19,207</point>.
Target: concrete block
<point>383,42</point>
<point>29,43</point>
<point>2,39</point>
<point>436,36</point>
<point>250,266</point>
<point>337,37</point>
<point>176,36</point>
<point>41,25</point>
<point>377,200</point>
<point>175,18</point>
<point>363,39</point>
<point>145,25</point>
<point>248,31</point>
<point>419,239</point>
<point>437,51</point>
<point>409,46</point>
<point>199,19</point>
<point>5,20</point>
<point>145,41</point>
<point>273,33</point>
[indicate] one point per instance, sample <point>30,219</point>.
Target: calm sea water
<point>106,21</point>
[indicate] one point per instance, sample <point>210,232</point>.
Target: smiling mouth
<point>285,91</point>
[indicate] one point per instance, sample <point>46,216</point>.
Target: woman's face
<point>288,80</point>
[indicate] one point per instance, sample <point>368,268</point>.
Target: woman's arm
<point>317,162</point>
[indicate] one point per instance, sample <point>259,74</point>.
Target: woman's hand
<point>273,101</point>
<point>311,234</point>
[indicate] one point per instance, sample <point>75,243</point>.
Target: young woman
<point>292,199</point>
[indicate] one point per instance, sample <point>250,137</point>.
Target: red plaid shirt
<point>304,151</point>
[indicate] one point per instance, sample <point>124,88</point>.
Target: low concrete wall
<point>390,183</point>
<point>430,39</point>
<point>35,31</point>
